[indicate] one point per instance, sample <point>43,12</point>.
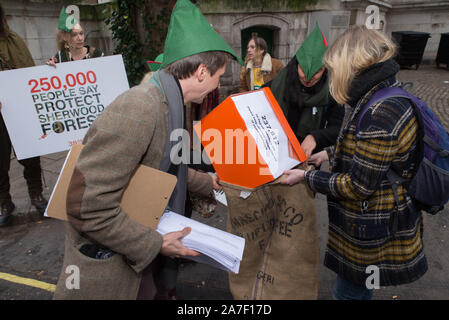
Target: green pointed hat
<point>190,33</point>
<point>156,64</point>
<point>62,22</point>
<point>310,54</point>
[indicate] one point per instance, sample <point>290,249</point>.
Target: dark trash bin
<point>443,51</point>
<point>411,47</point>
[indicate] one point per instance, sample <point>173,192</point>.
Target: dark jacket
<point>308,110</point>
<point>64,55</point>
<point>360,197</point>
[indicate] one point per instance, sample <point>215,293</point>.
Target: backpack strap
<point>380,95</point>
<point>435,146</point>
<point>393,177</point>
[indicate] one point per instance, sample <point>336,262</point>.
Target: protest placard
<point>49,110</point>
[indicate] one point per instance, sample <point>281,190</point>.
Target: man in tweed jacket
<point>134,130</point>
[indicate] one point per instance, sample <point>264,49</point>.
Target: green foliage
<point>156,23</point>
<point>123,25</point>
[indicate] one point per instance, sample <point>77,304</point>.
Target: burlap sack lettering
<point>280,260</point>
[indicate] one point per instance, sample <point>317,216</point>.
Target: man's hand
<point>216,182</point>
<point>172,244</point>
<point>308,145</point>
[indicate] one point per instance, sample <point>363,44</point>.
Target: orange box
<point>249,140</point>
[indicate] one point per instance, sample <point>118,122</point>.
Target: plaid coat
<point>360,197</point>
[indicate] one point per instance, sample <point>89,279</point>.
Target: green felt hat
<point>156,64</point>
<point>62,22</point>
<point>190,33</point>
<point>310,54</point>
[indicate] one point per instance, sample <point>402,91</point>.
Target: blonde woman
<point>366,230</point>
<point>70,43</point>
<point>259,68</point>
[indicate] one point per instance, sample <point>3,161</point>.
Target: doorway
<point>266,33</point>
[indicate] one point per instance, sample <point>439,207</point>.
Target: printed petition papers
<point>220,249</point>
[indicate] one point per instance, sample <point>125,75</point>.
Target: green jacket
<point>314,105</point>
<point>14,53</point>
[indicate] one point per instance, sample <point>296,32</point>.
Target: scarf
<point>295,92</point>
<point>170,88</point>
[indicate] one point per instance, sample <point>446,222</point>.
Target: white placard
<point>48,110</point>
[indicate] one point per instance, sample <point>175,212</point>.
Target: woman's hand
<point>318,158</point>
<point>292,177</point>
<point>52,62</point>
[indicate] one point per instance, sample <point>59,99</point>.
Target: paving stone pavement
<point>33,247</point>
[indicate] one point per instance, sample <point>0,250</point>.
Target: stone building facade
<point>288,23</point>
<point>36,22</point>
<point>284,23</point>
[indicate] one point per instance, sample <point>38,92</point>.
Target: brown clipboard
<point>144,198</point>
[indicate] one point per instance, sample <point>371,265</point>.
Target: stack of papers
<point>219,249</point>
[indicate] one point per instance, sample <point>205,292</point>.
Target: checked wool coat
<point>360,197</point>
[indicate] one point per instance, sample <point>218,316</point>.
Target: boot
<point>38,200</point>
<point>6,209</point>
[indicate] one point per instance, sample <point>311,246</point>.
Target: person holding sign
<point>302,91</point>
<point>14,54</point>
<point>260,67</point>
<point>70,42</point>
<point>135,129</point>
<point>372,240</point>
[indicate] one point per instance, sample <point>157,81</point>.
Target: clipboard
<point>144,199</point>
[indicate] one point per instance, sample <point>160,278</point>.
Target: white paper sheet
<point>222,247</point>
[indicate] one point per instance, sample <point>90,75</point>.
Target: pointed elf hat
<point>156,64</point>
<point>62,22</point>
<point>190,33</point>
<point>310,54</point>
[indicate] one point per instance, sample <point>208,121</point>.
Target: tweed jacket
<point>270,68</point>
<point>361,204</point>
<point>131,131</point>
